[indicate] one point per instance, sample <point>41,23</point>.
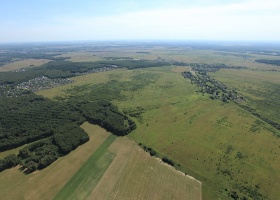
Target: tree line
<point>270,62</point>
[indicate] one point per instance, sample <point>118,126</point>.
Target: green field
<point>210,140</point>
<point>25,63</point>
<point>83,181</point>
<point>260,88</point>
<point>231,148</point>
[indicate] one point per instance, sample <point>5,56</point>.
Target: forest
<point>51,128</point>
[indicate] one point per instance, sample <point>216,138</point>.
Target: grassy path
<point>87,177</point>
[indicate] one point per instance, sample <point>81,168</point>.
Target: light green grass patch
<point>83,181</point>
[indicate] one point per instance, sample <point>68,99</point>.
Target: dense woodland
<point>28,118</point>
<point>52,128</point>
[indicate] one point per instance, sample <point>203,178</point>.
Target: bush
<point>168,161</point>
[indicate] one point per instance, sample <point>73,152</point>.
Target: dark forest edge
<point>52,128</point>
<point>270,62</point>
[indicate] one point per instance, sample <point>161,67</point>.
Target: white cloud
<point>248,20</point>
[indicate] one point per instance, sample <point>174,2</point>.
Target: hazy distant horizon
<point>163,41</point>
<point>130,20</point>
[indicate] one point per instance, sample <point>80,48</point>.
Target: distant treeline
<point>66,69</point>
<point>54,69</point>
<point>218,90</point>
<point>52,128</point>
<point>204,68</point>
<point>270,62</point>
<point>199,76</point>
<point>7,57</point>
<point>269,121</point>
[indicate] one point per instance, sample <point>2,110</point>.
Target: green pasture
<point>262,89</point>
<point>224,146</point>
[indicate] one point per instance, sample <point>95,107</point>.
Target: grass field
<point>262,89</point>
<point>196,133</point>
<point>222,145</point>
<point>81,56</point>
<point>45,184</point>
<point>86,178</point>
<point>23,64</point>
<point>79,81</point>
<point>12,151</point>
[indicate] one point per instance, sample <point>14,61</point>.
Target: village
<point>33,85</point>
<point>217,90</point>
<point>42,83</point>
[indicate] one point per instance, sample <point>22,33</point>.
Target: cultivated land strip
<point>134,174</point>
<point>82,183</point>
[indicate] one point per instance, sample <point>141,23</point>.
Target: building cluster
<point>33,85</point>
<point>42,83</point>
<point>209,85</point>
<point>102,69</point>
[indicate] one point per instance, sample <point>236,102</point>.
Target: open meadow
<point>261,88</point>
<point>213,141</point>
<point>215,149</point>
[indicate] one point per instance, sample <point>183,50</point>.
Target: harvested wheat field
<point>134,174</point>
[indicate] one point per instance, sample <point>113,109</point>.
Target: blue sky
<point>67,20</point>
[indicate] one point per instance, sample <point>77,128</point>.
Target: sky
<point>98,20</point>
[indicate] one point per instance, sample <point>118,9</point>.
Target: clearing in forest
<point>26,63</point>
